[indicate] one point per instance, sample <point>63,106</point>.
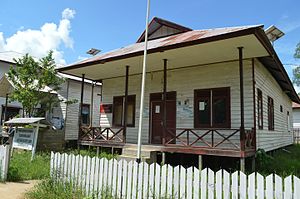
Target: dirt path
<point>15,190</point>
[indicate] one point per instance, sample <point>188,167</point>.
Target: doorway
<point>157,117</point>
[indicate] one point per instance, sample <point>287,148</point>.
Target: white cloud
<point>68,13</point>
<point>39,42</point>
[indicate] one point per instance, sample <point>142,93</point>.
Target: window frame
<point>131,100</point>
<point>200,94</point>
<point>271,121</point>
<point>260,109</point>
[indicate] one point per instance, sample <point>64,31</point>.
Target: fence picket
<point>109,175</point>
<point>226,184</point>
<point>129,182</point>
<point>182,182</point>
<point>269,187</point>
<point>140,180</point>
<point>76,170</point>
<point>203,183</point>
<point>58,165</point>
<point>151,181</point>
<point>288,187</point>
<point>97,174</point>
<point>296,188</point>
<point>114,177</point>
<point>120,177</point>
<point>101,177</point>
<point>169,181</point>
<point>69,171</point>
<point>243,186</point>
<point>92,177</point>
<point>218,189</point>
<point>189,183</point>
<point>278,187</point>
<point>88,176</point>
<point>196,184</point>
<point>235,185</point>
<point>124,180</point>
<point>251,186</point>
<point>163,180</point>
<point>146,183</point>
<point>133,180</point>
<point>176,182</point>
<point>260,186</point>
<point>105,174</point>
<point>211,184</point>
<point>66,157</point>
<point>157,180</point>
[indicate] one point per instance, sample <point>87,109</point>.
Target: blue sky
<point>72,27</point>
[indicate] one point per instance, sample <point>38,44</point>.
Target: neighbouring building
<point>216,92</point>
<point>64,116</point>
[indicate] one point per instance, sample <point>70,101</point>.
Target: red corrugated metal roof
<point>163,42</point>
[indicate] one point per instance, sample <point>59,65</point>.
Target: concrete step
<point>129,158</point>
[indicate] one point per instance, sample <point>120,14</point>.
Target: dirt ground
<point>15,190</point>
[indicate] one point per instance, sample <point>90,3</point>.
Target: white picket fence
<point>132,180</point>
<point>4,161</point>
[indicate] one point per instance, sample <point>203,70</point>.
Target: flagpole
<point>138,158</point>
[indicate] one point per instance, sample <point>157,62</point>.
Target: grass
<point>50,189</point>
<point>21,168</point>
<point>283,162</point>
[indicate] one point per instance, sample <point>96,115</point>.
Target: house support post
<point>200,162</point>
<point>253,163</point>
<point>242,164</point>
<point>163,158</point>
<point>80,106</point>
<point>165,102</point>
<point>92,104</point>
<point>125,104</point>
<point>241,70</point>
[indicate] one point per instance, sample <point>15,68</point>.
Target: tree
<point>296,71</point>
<point>35,82</point>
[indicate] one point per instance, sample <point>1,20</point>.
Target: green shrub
<point>283,162</point>
<point>21,168</point>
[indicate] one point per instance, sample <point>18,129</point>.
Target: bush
<point>21,168</point>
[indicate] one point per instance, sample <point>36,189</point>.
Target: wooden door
<point>156,121</point>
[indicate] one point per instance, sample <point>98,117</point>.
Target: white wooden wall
<point>74,92</point>
<point>270,140</point>
<point>296,118</point>
<point>184,81</point>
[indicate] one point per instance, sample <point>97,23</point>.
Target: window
<point>118,110</point>
<point>270,113</point>
<point>85,114</point>
<point>260,109</point>
<point>212,108</point>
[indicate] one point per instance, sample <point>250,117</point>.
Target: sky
<point>70,28</point>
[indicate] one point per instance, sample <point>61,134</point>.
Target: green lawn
<point>283,162</point>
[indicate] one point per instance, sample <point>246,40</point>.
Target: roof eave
<point>261,36</point>
<point>251,30</point>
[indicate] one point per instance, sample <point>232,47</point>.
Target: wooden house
<point>62,115</point>
<point>219,92</point>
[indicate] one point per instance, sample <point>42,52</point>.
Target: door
<point>157,116</point>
